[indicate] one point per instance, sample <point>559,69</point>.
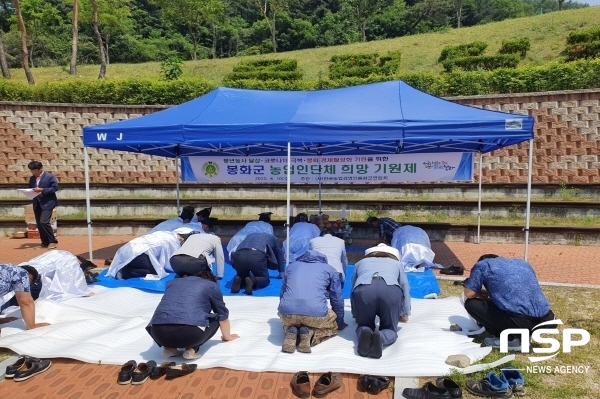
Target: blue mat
<point>421,284</point>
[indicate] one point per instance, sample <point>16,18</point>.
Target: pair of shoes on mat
<point>236,285</point>
<point>509,382</point>
<point>369,343</point>
<point>296,337</point>
<point>453,270</point>
<point>372,384</point>
<point>326,384</point>
<point>137,374</point>
<point>26,367</point>
<point>444,388</point>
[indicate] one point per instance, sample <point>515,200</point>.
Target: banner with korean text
<point>385,168</point>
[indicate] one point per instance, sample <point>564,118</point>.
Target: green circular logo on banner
<point>210,169</point>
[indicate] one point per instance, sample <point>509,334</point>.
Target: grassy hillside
<point>419,52</point>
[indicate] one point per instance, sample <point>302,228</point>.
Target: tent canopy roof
<point>387,117</point>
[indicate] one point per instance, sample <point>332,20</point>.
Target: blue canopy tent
<point>380,118</point>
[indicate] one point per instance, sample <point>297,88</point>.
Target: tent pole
<point>87,202</point>
<point>320,207</point>
<point>479,205</point>
<point>177,177</point>
<point>528,212</point>
<point>287,222</point>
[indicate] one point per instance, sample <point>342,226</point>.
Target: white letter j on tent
<point>101,136</point>
<point>120,137</point>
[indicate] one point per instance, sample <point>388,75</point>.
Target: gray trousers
<point>378,299</point>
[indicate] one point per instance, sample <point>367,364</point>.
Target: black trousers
<point>251,263</point>
<point>42,220</point>
<point>496,320</point>
<point>182,335</point>
<point>188,265</point>
<point>378,299</point>
<point>138,267</point>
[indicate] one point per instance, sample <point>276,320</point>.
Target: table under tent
<point>375,119</point>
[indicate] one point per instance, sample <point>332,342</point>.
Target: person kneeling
<point>514,298</point>
<point>303,306</point>
<point>379,288</point>
<point>189,314</point>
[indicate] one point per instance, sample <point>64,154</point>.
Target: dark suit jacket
<point>47,199</point>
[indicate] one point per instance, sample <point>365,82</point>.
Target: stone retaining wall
<point>567,141</point>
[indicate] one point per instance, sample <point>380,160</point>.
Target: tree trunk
<point>194,43</point>
<point>75,30</point>
<point>99,40</point>
<point>363,30</point>
<point>458,17</point>
<point>214,44</point>
<point>25,53</point>
<point>274,34</point>
<point>3,63</point>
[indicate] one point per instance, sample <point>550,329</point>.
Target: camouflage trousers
<point>320,328</point>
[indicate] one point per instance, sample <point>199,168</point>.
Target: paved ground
<point>70,379</point>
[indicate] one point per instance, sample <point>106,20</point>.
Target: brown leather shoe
<point>326,384</point>
<point>300,384</point>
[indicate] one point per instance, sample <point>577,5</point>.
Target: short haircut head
<point>301,217</point>
<point>327,231</point>
<point>265,216</point>
<point>487,256</point>
<point>34,165</point>
<point>371,220</point>
<point>187,213</point>
<point>31,271</point>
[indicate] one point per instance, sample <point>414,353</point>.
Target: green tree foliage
<point>583,43</point>
<point>171,68</point>
<point>519,45</point>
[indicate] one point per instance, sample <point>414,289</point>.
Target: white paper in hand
<point>28,192</point>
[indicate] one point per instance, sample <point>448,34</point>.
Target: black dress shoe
<point>249,286</point>
<point>378,384</point>
<point>452,387</point>
<point>236,284</point>
<point>180,371</point>
<point>159,371</point>
<point>429,391</point>
<point>126,372</point>
<point>363,382</point>
<point>376,347</point>
<point>453,270</point>
<point>142,372</point>
<point>31,367</point>
<point>364,342</point>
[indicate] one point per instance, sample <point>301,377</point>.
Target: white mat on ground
<point>109,328</point>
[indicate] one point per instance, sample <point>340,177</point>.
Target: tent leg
<point>177,181</point>
<point>479,204</point>
<point>87,202</point>
<point>528,212</point>
<point>287,222</point>
<point>320,206</point>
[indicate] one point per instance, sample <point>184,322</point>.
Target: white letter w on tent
<point>101,136</point>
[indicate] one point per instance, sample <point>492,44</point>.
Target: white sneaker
<point>190,354</point>
<point>171,352</point>
<point>494,342</point>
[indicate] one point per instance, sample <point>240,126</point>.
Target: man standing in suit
<point>44,203</point>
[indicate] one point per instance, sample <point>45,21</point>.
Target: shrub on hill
<point>482,62</point>
<point>472,49</point>
<point>583,44</point>
<point>519,45</point>
<point>364,65</point>
<point>285,70</point>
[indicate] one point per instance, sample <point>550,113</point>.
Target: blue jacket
<point>307,283</point>
<point>47,199</point>
<point>268,244</point>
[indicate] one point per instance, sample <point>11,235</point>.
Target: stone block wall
<point>566,145</point>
